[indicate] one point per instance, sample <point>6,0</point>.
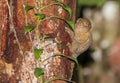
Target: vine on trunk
<point>39,71</point>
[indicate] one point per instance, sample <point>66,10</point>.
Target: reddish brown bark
<point>54,28</point>
<point>3,26</point>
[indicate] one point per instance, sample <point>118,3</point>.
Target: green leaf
<point>71,24</point>
<point>28,29</point>
<point>37,53</point>
<point>74,59</point>
<point>38,72</point>
<point>68,9</point>
<point>27,8</point>
<point>40,16</point>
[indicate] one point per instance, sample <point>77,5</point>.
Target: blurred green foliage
<point>97,3</point>
<point>119,3</point>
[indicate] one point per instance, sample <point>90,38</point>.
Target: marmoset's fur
<point>82,37</point>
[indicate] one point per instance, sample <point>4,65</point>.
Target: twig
<point>13,29</point>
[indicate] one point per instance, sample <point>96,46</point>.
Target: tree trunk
<point>17,61</point>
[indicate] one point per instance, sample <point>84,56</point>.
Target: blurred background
<point>101,62</point>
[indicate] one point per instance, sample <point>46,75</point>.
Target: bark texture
<point>21,67</point>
